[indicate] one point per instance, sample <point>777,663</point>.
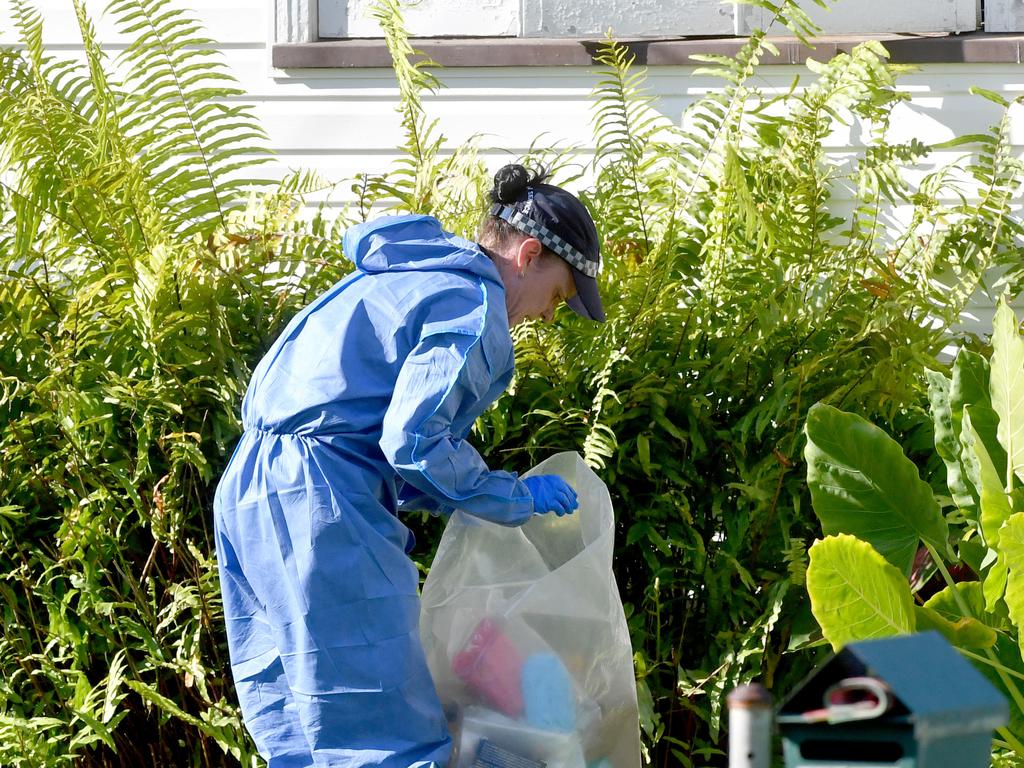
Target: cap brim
<point>587,301</point>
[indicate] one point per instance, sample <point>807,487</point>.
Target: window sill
<point>971,48</point>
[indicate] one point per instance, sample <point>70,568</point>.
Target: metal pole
<point>750,727</point>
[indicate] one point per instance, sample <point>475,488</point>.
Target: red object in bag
<point>492,666</point>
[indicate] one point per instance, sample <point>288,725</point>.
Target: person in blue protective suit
<point>360,410</point>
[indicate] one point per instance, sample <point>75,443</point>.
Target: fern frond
<point>29,23</point>
<point>415,170</point>
<point>624,126</point>
<point>104,107</point>
<point>600,441</point>
<point>192,143</point>
<point>986,231</point>
<point>791,15</point>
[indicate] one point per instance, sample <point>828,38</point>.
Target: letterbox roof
<point>939,690</point>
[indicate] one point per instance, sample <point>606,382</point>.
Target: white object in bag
<point>555,750</point>
<point>497,598</point>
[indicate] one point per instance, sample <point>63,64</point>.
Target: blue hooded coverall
<point>360,409</point>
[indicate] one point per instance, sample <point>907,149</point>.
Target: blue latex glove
<point>551,494</point>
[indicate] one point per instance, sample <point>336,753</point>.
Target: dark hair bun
<point>511,181</point>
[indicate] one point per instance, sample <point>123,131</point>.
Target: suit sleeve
<point>444,377</point>
<point>412,499</point>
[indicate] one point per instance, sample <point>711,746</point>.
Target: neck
<point>510,280</point>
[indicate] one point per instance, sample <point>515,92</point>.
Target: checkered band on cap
<point>566,251</point>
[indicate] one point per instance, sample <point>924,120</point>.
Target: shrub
<point>892,535</point>
<point>138,284</point>
<point>145,269</point>
<point>738,299</point>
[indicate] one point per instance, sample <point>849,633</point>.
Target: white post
<point>294,21</point>
<point>750,727</point>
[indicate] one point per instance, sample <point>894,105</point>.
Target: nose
<point>549,315</point>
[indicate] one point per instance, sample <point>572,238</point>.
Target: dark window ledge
<point>972,48</point>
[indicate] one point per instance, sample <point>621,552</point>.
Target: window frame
<point>296,45</point>
<point>1003,16</point>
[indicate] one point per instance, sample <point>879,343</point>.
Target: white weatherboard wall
<point>342,122</point>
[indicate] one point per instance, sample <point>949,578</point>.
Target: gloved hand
<point>551,494</point>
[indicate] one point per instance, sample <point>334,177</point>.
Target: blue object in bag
<point>547,693</point>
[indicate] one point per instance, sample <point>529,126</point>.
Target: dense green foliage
<point>878,513</point>
<point>141,277</point>
<point>138,286</point>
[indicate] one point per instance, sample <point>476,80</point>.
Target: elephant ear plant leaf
<point>1007,387</point>
<point>861,483</point>
<point>1012,544</point>
<point>970,384</point>
<point>994,503</point>
<point>855,592</point>
<point>947,601</point>
<point>947,441</point>
<point>948,397</point>
<point>871,500</point>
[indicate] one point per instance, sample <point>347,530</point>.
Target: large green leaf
<point>947,441</point>
<point>986,425</point>
<point>972,552</point>
<point>862,484</point>
<point>1011,540</point>
<point>994,503</point>
<point>965,632</point>
<point>970,386</point>
<point>1007,385</point>
<point>994,584</point>
<point>855,593</point>
<point>970,593</point>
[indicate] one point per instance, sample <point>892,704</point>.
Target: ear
<point>527,253</point>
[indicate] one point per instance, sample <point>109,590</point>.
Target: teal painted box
<point>932,709</point>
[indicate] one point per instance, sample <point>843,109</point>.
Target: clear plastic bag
<point>526,638</point>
